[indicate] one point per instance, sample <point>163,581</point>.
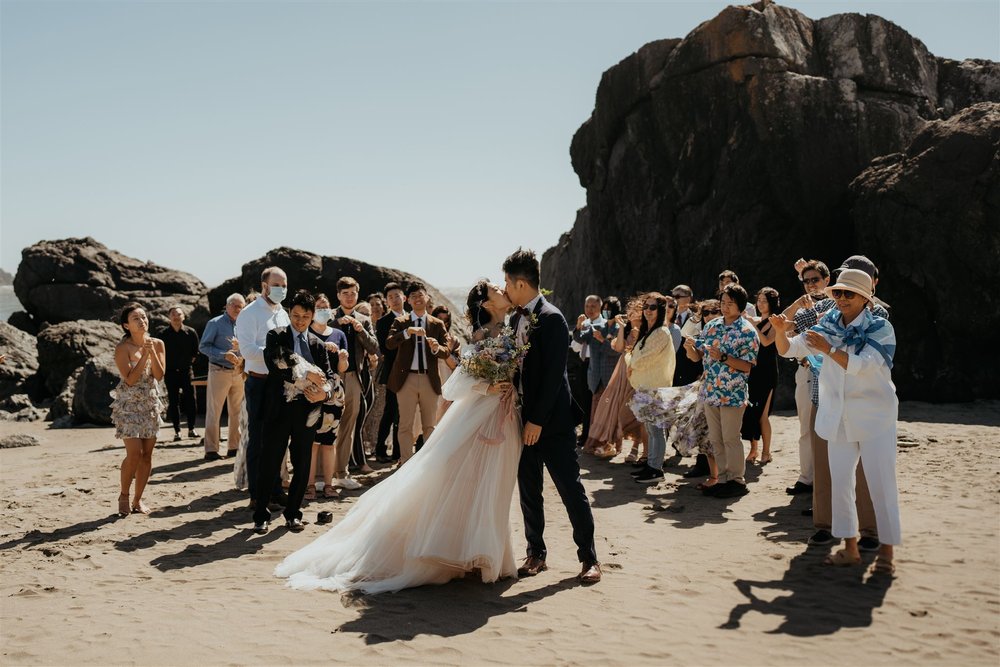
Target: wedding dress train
<point>444,513</point>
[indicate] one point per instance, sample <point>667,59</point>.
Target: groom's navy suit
<point>546,402</point>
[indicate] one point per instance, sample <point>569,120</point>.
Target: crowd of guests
<point>658,370</point>
<point>667,370</point>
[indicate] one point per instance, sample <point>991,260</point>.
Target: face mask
<point>276,294</point>
<point>322,315</point>
<point>606,314</point>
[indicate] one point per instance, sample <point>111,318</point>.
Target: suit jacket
<point>382,328</point>
<point>278,349</point>
<point>404,348</point>
<point>360,343</point>
<point>546,396</point>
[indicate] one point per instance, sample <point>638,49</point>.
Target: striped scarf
<point>867,330</point>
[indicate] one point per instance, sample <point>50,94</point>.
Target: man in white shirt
<point>252,325</point>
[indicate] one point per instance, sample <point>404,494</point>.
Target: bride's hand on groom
<point>530,434</point>
<point>499,388</point>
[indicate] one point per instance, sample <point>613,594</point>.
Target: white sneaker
<point>347,483</point>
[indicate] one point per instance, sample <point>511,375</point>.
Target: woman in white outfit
<point>857,409</point>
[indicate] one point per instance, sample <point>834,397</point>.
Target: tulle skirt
<point>443,514</point>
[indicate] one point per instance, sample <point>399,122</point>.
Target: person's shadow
<point>819,599</point>
<point>456,608</point>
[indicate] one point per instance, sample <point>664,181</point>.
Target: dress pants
<point>225,387</point>
<point>879,457</point>
<point>285,430</point>
<point>345,430</point>
<point>803,405</point>
<point>557,453</point>
<point>254,397</point>
<point>416,393</point>
<point>389,421</point>
<point>724,424</point>
<point>656,445</point>
<point>179,389</point>
<point>822,510</point>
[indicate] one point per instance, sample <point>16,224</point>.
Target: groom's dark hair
<point>523,265</point>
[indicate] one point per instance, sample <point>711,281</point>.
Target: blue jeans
<point>657,446</point>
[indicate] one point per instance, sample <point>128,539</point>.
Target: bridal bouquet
<point>495,359</point>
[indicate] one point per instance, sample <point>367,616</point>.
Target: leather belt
<point>259,376</point>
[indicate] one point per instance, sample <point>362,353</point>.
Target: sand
<point>688,580</point>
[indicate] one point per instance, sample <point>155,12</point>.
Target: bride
<point>444,513</point>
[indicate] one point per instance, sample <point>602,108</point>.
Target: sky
<point>431,137</point>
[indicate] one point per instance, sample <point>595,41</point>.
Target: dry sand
<point>688,580</point>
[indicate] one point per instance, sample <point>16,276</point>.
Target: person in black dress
<point>763,379</point>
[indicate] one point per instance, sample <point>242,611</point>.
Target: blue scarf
<point>867,330</point>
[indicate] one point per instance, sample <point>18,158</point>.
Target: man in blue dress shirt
<point>225,378</point>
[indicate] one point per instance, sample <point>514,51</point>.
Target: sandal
<point>841,558</point>
<point>765,459</point>
<point>884,565</point>
<point>705,485</point>
<point>123,509</point>
<point>330,491</point>
<point>310,492</point>
<point>139,507</point>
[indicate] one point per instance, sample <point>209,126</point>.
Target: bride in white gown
<point>444,513</point>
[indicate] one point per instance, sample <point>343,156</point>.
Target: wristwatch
<point>724,358</point>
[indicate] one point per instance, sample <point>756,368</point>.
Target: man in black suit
<point>549,424</point>
<point>394,298</point>
<point>293,419</point>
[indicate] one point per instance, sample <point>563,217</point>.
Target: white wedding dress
<point>439,516</point>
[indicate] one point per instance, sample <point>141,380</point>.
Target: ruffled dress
<point>136,410</point>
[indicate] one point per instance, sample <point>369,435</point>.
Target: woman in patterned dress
<point>136,407</point>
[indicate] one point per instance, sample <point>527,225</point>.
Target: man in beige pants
<point>225,378</point>
<point>419,339</point>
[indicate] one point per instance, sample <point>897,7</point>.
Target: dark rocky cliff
<point>736,146</point>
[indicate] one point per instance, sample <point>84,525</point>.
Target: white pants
<point>879,458</point>
<point>804,406</point>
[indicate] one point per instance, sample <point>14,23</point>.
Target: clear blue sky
<point>428,136</point>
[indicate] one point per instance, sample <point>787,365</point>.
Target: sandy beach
<point>688,580</point>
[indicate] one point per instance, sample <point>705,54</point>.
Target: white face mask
<point>322,315</point>
<point>276,293</point>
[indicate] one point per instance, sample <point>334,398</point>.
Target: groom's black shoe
<point>590,574</point>
<point>531,566</point>
<point>260,528</point>
<point>295,525</point>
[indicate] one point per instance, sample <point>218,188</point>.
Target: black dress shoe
<point>731,489</point>
<point>212,456</point>
<point>799,488</point>
<point>260,528</point>
<point>295,525</point>
<point>192,433</point>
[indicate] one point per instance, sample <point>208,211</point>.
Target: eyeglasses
<point>811,281</point>
<point>651,306</point>
<point>843,294</point>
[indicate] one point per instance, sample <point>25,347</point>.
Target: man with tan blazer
<point>419,341</point>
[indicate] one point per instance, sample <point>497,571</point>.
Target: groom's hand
<point>530,434</point>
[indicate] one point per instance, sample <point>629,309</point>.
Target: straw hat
<point>853,280</point>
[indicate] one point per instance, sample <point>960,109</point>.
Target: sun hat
<point>852,280</point>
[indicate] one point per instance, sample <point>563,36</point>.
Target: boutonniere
<point>532,323</point>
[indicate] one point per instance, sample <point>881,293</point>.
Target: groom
<point>549,426</point>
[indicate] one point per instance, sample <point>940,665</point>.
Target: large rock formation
<point>21,362</point>
<point>65,347</point>
<point>320,274</point>
<point>92,396</point>
<point>932,214</point>
<point>81,279</point>
<point>735,148</point>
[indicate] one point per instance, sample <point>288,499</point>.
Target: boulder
<point>67,346</point>
<point>23,321</point>
<point>931,214</point>
<point>735,147</point>
<point>92,397</point>
<point>79,278</point>
<point>61,410</point>
<point>320,274</point>
<point>21,363</point>
<point>18,440</point>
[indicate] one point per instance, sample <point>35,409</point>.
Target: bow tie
<point>522,311</point>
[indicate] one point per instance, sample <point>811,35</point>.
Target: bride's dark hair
<point>478,296</point>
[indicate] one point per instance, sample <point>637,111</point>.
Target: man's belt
<point>259,376</point>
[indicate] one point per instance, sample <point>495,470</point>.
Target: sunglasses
<point>843,294</point>
<point>650,306</point>
<point>710,312</point>
<point>811,281</point>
